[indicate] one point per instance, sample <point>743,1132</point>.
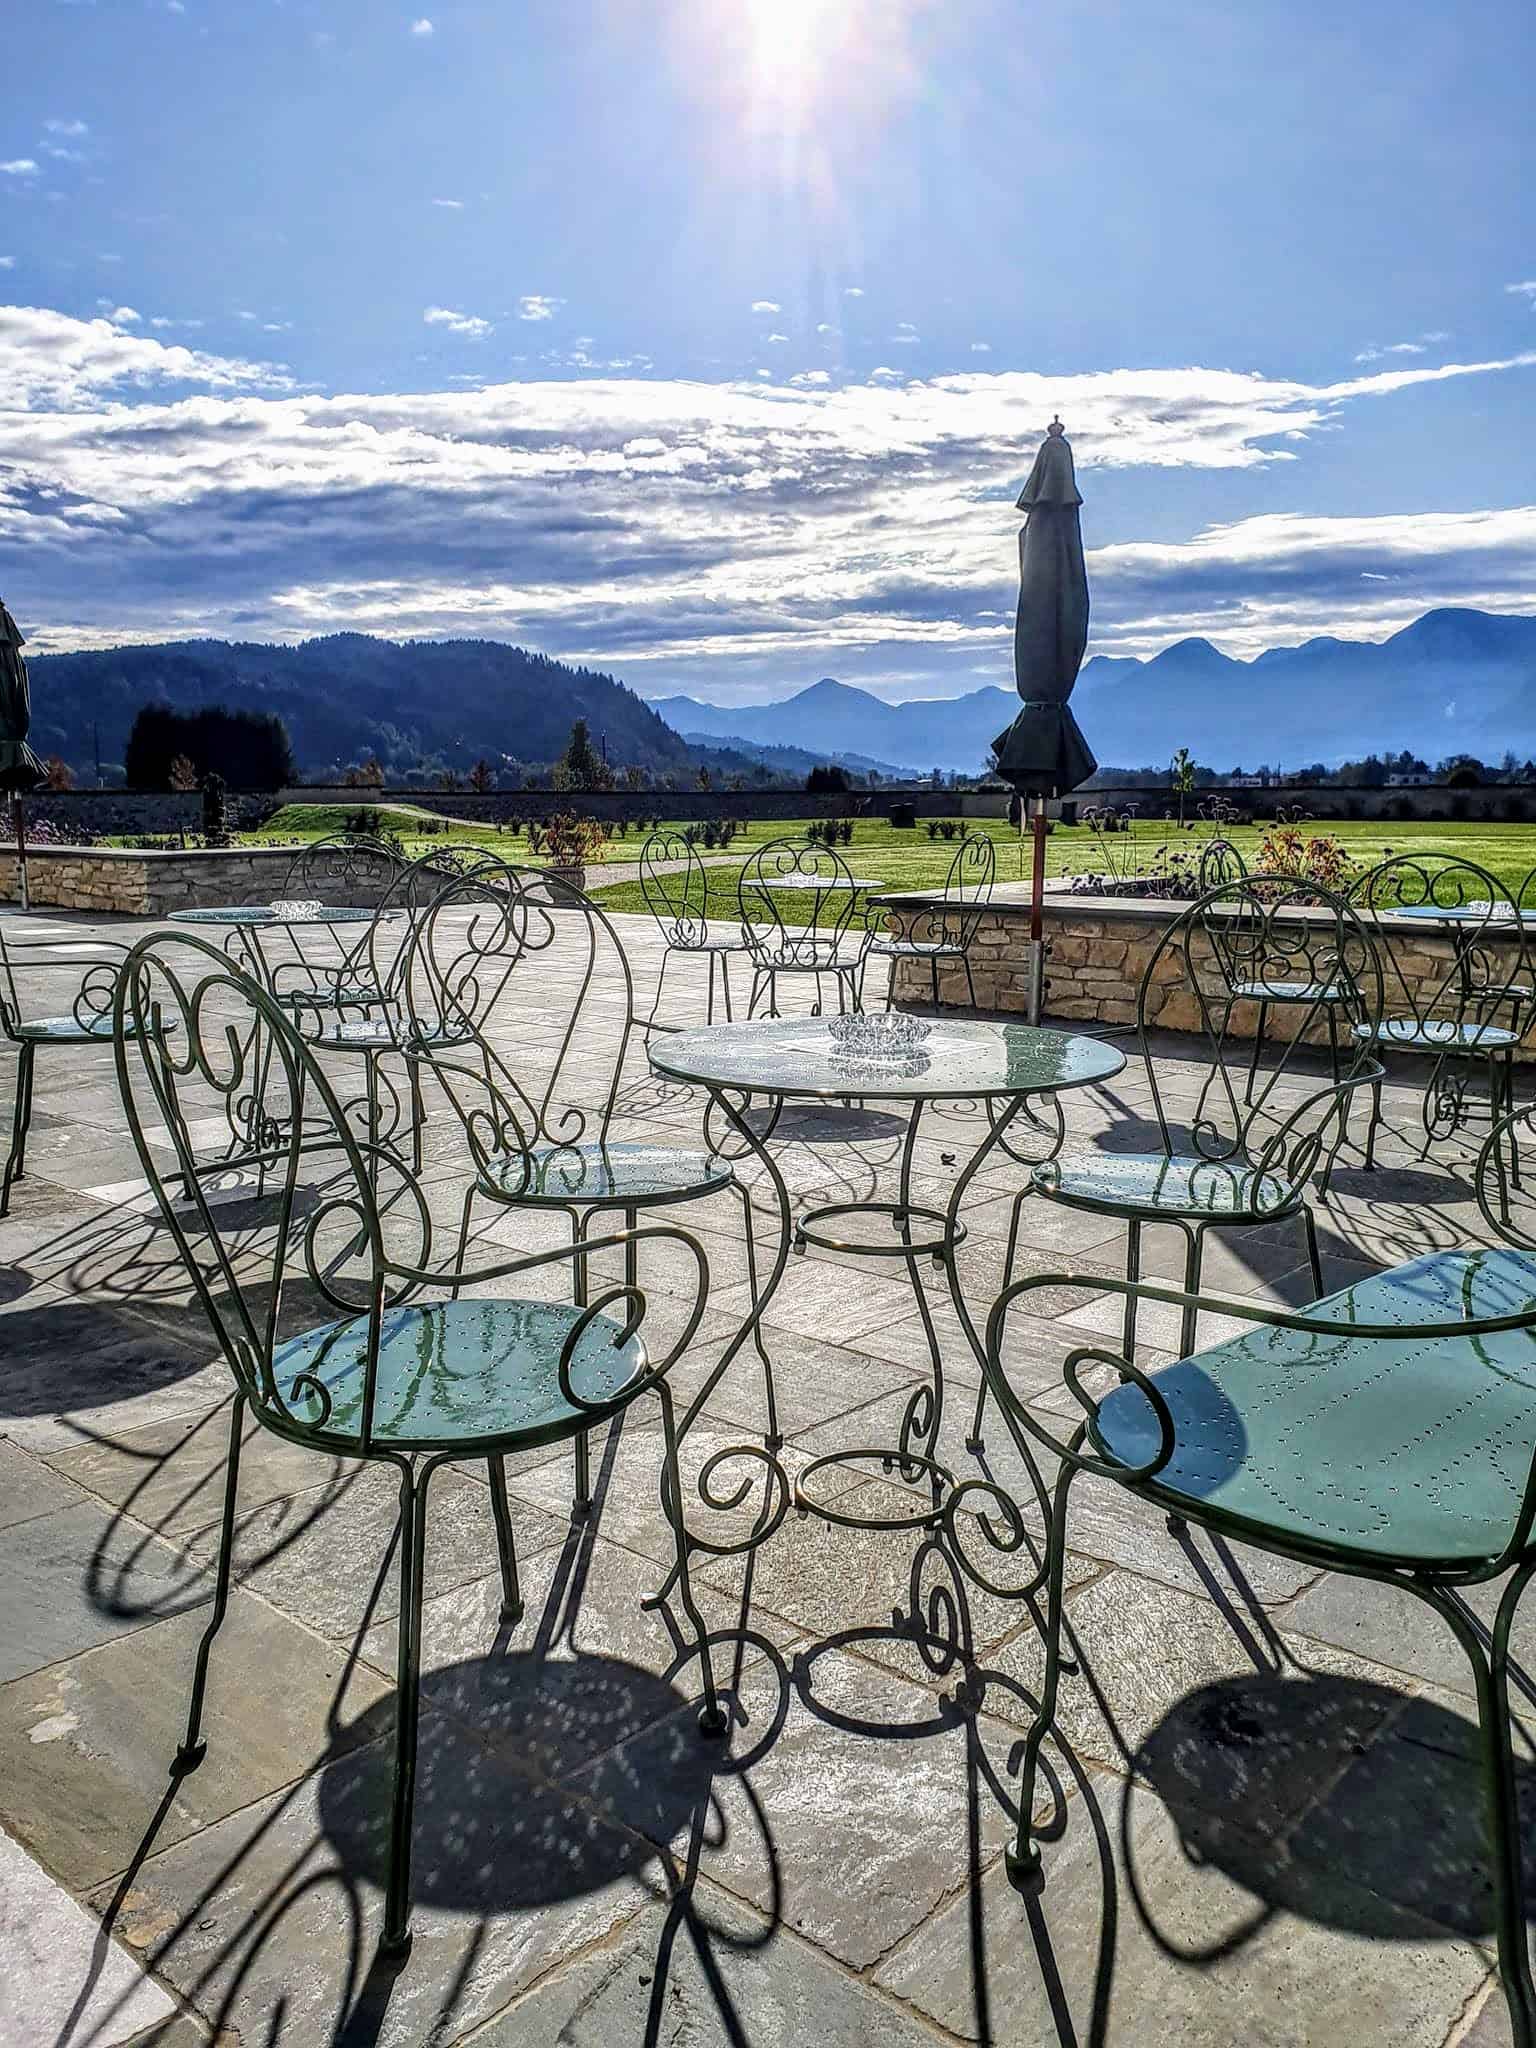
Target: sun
<point>792,44</point>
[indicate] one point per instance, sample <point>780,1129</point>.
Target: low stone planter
<point>136,883</point>
<point>1098,949</point>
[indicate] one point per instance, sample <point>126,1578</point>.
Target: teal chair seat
<point>1415,1451</point>
<point>72,1030</point>
<point>617,1175</point>
<point>456,1372</point>
<point>355,992</point>
<point>380,1034</point>
<point>1292,992</point>
<point>1153,1184</point>
<point>1442,1034</point>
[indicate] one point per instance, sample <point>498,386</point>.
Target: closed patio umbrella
<point>1043,753</point>
<point>20,769</point>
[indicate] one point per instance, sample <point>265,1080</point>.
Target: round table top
<point>960,1057</point>
<point>1480,913</point>
<point>262,914</point>
<point>773,883</point>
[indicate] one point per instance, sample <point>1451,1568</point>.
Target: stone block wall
<point>111,879</point>
<point>1098,950</point>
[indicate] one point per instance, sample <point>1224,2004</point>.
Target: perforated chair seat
<point>614,1176</point>
<point>1411,1450</point>
<point>1153,1184</point>
<point>1293,991</point>
<point>917,949</point>
<point>74,1031</point>
<point>456,1372</point>
<point>1439,1034</point>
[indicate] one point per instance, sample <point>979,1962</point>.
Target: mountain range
<point>1455,681</point>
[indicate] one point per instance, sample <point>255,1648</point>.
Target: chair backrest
<point>205,1036</point>
<point>820,880</point>
<point>675,886</point>
<point>90,965</point>
<point>345,867</point>
<point>529,976</point>
<point>1220,862</point>
<point>1454,954</point>
<point>1280,1117</point>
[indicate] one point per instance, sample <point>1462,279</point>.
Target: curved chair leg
<point>933,971</point>
<point>970,984</point>
<point>193,1748</point>
<point>506,1545</point>
<point>1333,1043</point>
<point>661,978</point>
<point>395,1944</point>
<point>1369,1160</point>
<point>21,1118</point>
<point>582,1504</point>
<point>975,1443</point>
<point>1133,1274</point>
<point>713,1719</point>
<point>458,1265</point>
<point>418,1112</point>
<point>1021,1859</point>
<point>1490,1672</point>
<point>1314,1254</point>
<point>725,984</point>
<point>773,1439</point>
<point>1258,1050</point>
<point>1194,1255</point>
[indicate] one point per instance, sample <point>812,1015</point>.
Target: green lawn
<point>911,860</point>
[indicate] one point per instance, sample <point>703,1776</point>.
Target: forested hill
<point>348,695</point>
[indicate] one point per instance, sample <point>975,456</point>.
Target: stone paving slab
<point>1298,1861</point>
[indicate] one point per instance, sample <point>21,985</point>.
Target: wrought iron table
<point>1006,1067</point>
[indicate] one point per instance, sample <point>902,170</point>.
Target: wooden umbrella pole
<point>1037,888</point>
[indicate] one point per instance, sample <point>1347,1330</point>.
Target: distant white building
<point>1412,778</point>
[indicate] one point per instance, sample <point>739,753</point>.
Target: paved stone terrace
<point>1269,1823</point>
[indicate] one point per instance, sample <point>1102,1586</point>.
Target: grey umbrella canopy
<point>1043,752</point>
<point>20,769</point>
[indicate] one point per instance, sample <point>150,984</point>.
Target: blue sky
<point>711,343</point>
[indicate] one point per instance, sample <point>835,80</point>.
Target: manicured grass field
<point>901,859</point>
<point>911,860</point>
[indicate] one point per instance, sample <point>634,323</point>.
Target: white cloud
<point>906,335</point>
<point>19,167</point>
<point>469,324</point>
<point>853,291</point>
<point>766,306</point>
<point>886,375</point>
<point>1526,289</point>
<point>537,306</point>
<point>825,327</point>
<point>421,26</point>
<point>778,338</point>
<point>454,205</point>
<point>1374,351</point>
<point>7,262</point>
<point>71,128</point>
<point>125,316</point>
<point>981,348</point>
<point>740,531</point>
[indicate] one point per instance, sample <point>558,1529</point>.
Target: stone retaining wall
<point>1098,948</point>
<point>143,884</point>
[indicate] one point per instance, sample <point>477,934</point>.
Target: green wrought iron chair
<point>407,1375</point>
<point>1236,1161</point>
<point>79,1017</point>
<point>350,869</point>
<point>832,941</point>
<point>541,1120</point>
<point>354,1007</point>
<point>675,885</point>
<point>1387,1432</point>
<point>1459,983</point>
<point>934,936</point>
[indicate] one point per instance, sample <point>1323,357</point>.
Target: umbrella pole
<point>21,849</point>
<point>1036,994</point>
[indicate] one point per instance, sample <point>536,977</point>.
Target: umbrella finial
<point>1056,429</point>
